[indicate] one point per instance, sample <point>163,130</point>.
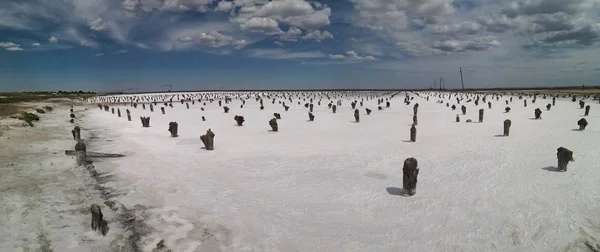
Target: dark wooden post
<point>119,112</point>
<point>273,124</point>
<point>413,133</point>
<point>80,153</point>
<point>480,115</point>
<point>507,124</point>
<point>208,140</point>
<point>507,109</point>
<point>98,223</point>
<point>581,104</point>
<point>334,108</point>
<point>368,111</point>
<point>226,109</point>
<point>311,117</point>
<point>277,115</point>
<point>128,115</point>
<point>239,120</point>
<point>187,105</point>
<point>151,108</point>
<point>76,133</point>
<point>173,129</point>
<point>162,109</point>
<point>564,156</point>
<point>587,110</point>
<point>553,101</point>
<point>489,105</point>
<point>410,172</point>
<point>145,121</point>
<point>415,120</point>
<point>112,110</point>
<point>457,118</point>
<point>415,108</point>
<point>463,109</point>
<point>387,104</point>
<point>203,118</point>
<point>582,123</point>
<point>311,108</point>
<point>548,106</point>
<point>538,113</point>
<point>525,103</point>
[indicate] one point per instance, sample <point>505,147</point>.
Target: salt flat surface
<point>325,185</point>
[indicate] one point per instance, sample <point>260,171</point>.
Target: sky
<point>145,45</point>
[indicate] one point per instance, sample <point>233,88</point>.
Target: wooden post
<point>548,106</point>
<point>525,103</point>
<point>277,116</point>
<point>415,120</point>
<point>163,110</point>
<point>145,121</point>
<point>356,115</point>
<point>151,108</point>
<point>226,109</point>
<point>98,223</point>
<point>553,101</point>
<point>76,133</point>
<point>587,110</point>
<point>410,172</point>
<point>538,113</point>
<point>239,120</point>
<point>564,156</point>
<point>480,115</point>
<point>208,140</point>
<point>413,133</point>
<point>311,117</point>
<point>507,124</point>
<point>173,128</point>
<point>489,105</point>
<point>457,118</point>
<point>273,124</point>
<point>582,123</point>
<point>334,108</point>
<point>368,111</point>
<point>80,153</point>
<point>581,104</point>
<point>463,109</point>
<point>119,112</point>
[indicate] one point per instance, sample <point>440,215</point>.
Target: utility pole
<point>461,79</point>
<point>440,83</point>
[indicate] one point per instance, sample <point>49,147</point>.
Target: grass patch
<point>48,108</point>
<point>38,96</point>
<point>41,111</point>
<point>29,118</point>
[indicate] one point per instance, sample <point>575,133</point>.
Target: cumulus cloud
<point>35,44</point>
<point>214,39</point>
<point>284,54</point>
<point>53,40</point>
<point>352,56</point>
<point>278,43</point>
<point>475,44</point>
<point>587,35</point>
<point>15,48</point>
<point>291,35</point>
<point>336,56</point>
<point>265,25</point>
<point>465,27</point>
<point>317,35</point>
<point>298,13</point>
<point>97,25</point>
<point>8,44</point>
<point>239,44</point>
<point>396,14</point>
<point>224,6</point>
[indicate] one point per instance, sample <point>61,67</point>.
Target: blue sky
<point>111,45</point>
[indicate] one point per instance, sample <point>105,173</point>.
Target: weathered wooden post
<point>112,110</point>
<point>119,112</point>
<point>356,115</point>
<point>287,107</point>
<point>162,109</point>
<point>219,103</point>
<point>353,105</point>
<point>311,117</point>
<point>80,153</point>
<point>538,113</point>
<point>581,104</point>
<point>334,108</point>
<point>457,118</point>
<point>173,128</point>
<point>225,109</point>
<point>128,115</point>
<point>415,108</point>
<point>203,118</point>
<point>311,107</point>
<point>507,124</point>
<point>76,133</point>
<point>548,106</point>
<point>582,123</point>
<point>187,105</point>
<point>413,133</point>
<point>453,107</point>
<point>208,140</point>
<point>463,109</point>
<point>368,111</point>
<point>151,108</point>
<point>553,101</point>
<point>587,110</point>
<point>525,103</point>
<point>98,223</point>
<point>564,156</point>
<point>145,121</point>
<point>379,108</point>
<point>144,106</point>
<point>489,105</point>
<point>507,109</point>
<point>277,115</point>
<point>387,104</point>
<point>415,120</point>
<point>273,124</point>
<point>239,120</point>
<point>410,172</point>
<point>480,115</point>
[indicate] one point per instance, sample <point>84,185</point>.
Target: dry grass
<point>9,109</point>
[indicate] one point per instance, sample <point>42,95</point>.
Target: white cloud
<point>265,25</point>
<point>8,44</point>
<point>97,25</point>
<point>354,56</point>
<point>474,44</point>
<point>98,54</point>
<point>278,43</point>
<point>318,35</point>
<point>185,39</point>
<point>214,39</point>
<point>299,13</point>
<point>283,54</point>
<point>224,6</point>
<point>35,44</point>
<point>239,44</point>
<point>53,40</point>
<point>336,56</point>
<point>15,48</point>
<point>291,35</point>
<point>142,45</point>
